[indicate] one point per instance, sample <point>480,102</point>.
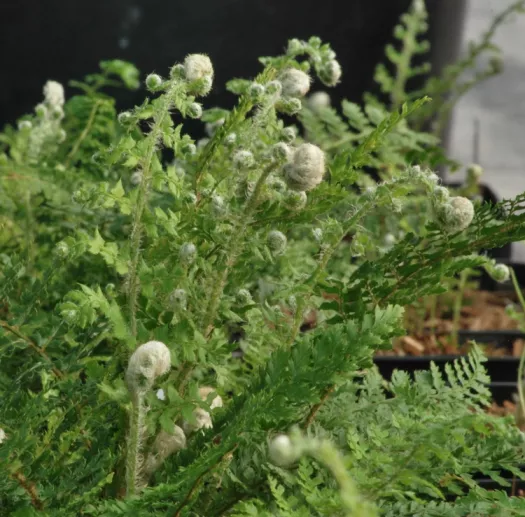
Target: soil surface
<point>481,311</point>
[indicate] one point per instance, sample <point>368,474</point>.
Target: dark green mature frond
<point>281,395</point>
<point>480,504</point>
<point>416,265</point>
<point>412,444</point>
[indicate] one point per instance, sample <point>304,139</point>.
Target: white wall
<point>499,104</point>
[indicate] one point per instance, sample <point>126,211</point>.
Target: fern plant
<point>154,358</point>
<point>402,443</point>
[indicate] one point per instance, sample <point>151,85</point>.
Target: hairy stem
<point>162,112</point>
<point>237,116</point>
<point>84,134</point>
<point>521,367</point>
<point>316,407</point>
<point>458,303</point>
<point>30,250</point>
<point>234,248</point>
<point>135,441</point>
<point>315,276</point>
<point>30,488</point>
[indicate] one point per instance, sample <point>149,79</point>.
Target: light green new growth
<point>161,113</point>
<point>413,25</point>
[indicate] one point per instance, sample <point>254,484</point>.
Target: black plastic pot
<point>503,371</point>
<point>63,40</point>
<point>515,485</point>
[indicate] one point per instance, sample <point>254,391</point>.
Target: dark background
<point>65,39</point>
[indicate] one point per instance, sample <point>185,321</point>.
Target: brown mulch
<point>508,408</point>
<point>482,310</point>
